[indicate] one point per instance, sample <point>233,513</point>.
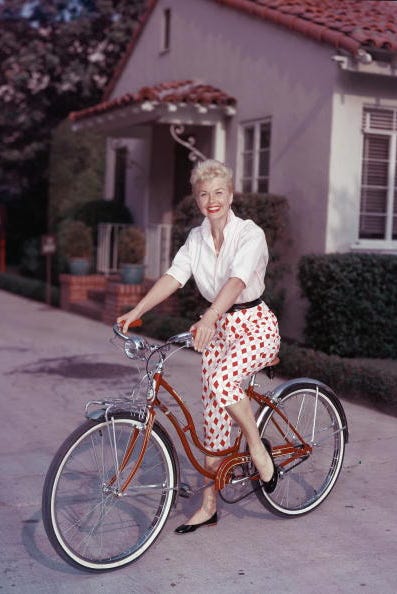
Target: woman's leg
<point>242,413</point>
<point>208,505</point>
<point>252,342</point>
<point>210,359</point>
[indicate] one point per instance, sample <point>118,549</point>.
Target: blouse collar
<point>206,227</point>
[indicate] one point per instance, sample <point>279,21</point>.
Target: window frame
<point>255,176</point>
<point>165,33</point>
<point>386,243</point>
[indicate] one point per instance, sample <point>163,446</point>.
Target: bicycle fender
<point>301,382</point>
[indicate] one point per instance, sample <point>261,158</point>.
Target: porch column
<point>219,141</point>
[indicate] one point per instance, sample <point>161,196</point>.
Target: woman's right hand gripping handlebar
<point>131,318</point>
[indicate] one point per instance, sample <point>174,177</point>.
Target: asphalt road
<point>52,362</point>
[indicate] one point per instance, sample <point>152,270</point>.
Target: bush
<point>269,212</point>
<point>77,162</point>
<point>75,240</point>
<point>352,304</point>
<point>27,287</point>
<point>131,246</point>
<point>102,211</point>
<point>345,377</point>
<point>32,263</point>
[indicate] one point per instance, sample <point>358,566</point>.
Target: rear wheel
<point>304,483</point>
<point>89,521</point>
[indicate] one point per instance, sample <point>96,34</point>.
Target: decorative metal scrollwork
<point>176,131</point>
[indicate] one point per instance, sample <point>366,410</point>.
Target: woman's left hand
<point>203,331</point>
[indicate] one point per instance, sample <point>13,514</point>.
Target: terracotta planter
<point>132,274</point>
<point>79,266</point>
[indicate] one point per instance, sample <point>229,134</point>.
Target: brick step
<point>89,309</point>
<point>97,295</point>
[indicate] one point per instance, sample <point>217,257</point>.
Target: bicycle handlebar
<point>185,338</point>
<point>120,334</point>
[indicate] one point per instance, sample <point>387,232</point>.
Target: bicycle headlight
<point>134,348</point>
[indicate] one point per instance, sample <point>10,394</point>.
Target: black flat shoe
<point>185,528</point>
<point>271,484</point>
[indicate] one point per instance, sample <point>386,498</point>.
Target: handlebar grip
<point>116,329</point>
<point>136,323</point>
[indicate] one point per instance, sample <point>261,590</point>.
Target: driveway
<point>52,362</point>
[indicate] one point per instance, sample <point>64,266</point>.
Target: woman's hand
<point>127,319</point>
<point>204,330</point>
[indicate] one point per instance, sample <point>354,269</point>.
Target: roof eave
<point>150,112</point>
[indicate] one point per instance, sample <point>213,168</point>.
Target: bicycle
<point>111,485</point>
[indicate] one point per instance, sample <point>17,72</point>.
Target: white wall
<point>274,72</point>
<point>352,93</point>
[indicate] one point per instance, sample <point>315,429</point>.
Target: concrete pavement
<point>52,362</point>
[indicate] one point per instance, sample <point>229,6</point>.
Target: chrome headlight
<point>135,348</point>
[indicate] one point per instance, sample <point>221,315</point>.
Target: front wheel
<point>90,522</point>
<point>305,482</point>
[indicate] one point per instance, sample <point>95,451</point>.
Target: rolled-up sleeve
<point>181,267</point>
<point>251,255</point>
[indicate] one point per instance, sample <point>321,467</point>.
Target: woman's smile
<point>214,198</point>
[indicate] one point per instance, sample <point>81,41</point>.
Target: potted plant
<point>76,245</point>
<point>131,254</point>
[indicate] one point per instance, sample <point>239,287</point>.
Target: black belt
<point>247,305</point>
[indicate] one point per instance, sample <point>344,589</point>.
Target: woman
<point>237,333</point>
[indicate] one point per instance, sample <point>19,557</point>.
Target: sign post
<point>48,248</point>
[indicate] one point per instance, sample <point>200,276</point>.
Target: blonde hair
<point>205,170</point>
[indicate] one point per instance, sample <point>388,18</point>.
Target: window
<point>378,208</point>
<point>120,171</point>
<point>255,158</point>
<point>166,31</point>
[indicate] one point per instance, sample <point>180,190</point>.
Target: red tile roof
<point>187,91</point>
<point>346,24</point>
<point>350,25</point>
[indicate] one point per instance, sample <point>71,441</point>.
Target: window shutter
<point>379,119</point>
<point>374,187</point>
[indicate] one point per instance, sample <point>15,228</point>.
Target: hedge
<point>352,304</point>
<point>28,287</point>
<point>268,211</point>
<point>347,378</point>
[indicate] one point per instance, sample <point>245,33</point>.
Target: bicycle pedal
<point>185,490</point>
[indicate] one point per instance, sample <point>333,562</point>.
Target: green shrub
<point>75,240</point>
<point>352,304</point>
<point>32,263</point>
<point>77,162</point>
<point>346,378</point>
<point>132,246</point>
<point>27,287</point>
<point>269,212</point>
<point>102,211</point>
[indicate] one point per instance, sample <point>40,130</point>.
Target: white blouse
<point>243,254</point>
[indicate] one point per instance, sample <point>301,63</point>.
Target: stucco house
<point>299,97</point>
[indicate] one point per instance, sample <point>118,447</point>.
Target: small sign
<point>48,245</point>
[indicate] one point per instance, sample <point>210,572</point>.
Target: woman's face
<point>214,198</point>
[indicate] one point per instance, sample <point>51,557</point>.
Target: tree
<point>56,57</point>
